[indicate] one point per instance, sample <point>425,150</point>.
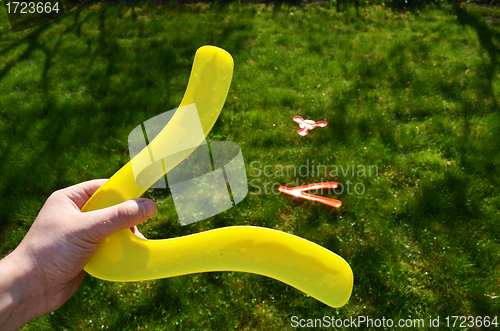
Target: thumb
<point>104,222</point>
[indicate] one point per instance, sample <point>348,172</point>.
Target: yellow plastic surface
<point>290,259</point>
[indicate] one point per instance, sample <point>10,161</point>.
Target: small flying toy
<point>299,192</point>
<point>125,257</point>
<point>306,125</point>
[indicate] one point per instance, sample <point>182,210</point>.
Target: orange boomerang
<point>299,192</point>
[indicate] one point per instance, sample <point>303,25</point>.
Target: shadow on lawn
<point>100,127</point>
<point>18,183</point>
<point>485,36</point>
<point>115,112</point>
<point>452,204</point>
<point>470,155</point>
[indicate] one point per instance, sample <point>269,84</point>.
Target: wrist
<point>15,306</point>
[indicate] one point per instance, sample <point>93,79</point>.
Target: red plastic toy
<point>299,192</point>
<point>306,125</point>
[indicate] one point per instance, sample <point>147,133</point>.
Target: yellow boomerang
<point>125,257</point>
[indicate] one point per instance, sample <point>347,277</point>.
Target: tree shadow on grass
<point>487,154</point>
<point>485,37</point>
<point>454,200</point>
<point>447,220</point>
<point>65,128</point>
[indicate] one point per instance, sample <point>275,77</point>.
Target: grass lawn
<point>412,98</point>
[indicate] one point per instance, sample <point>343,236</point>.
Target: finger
<point>80,193</point>
<point>99,224</point>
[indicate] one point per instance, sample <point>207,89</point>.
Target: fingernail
<point>148,208</point>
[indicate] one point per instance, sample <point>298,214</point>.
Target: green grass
<point>414,94</point>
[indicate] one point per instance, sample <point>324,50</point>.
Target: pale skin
<point>46,268</point>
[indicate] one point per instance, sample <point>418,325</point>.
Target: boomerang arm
<point>299,192</point>
<point>207,88</point>
<point>295,261</point>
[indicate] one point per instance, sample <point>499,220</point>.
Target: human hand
<point>46,269</point>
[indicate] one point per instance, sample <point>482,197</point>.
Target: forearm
<point>46,269</point>
<point>15,306</point>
